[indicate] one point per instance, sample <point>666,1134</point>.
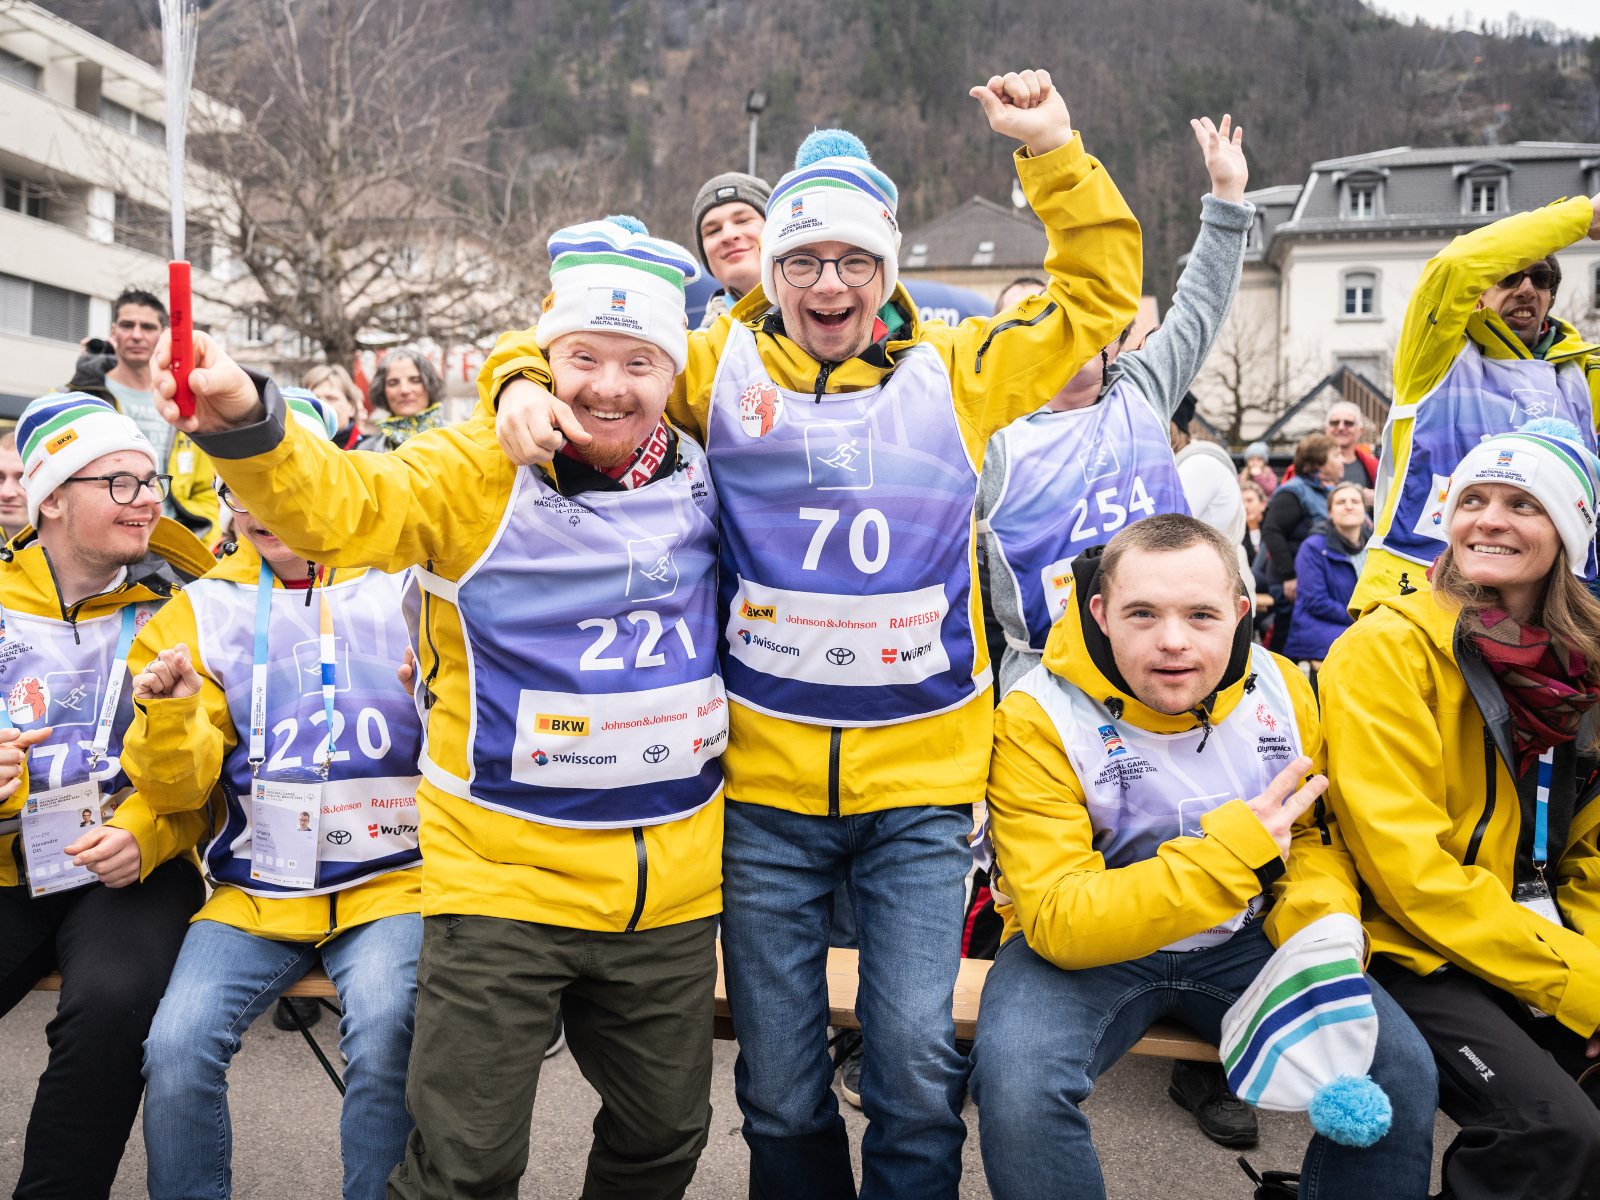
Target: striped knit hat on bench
<point>1302,1037</point>
<point>611,276</point>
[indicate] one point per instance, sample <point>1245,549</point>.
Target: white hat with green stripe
<point>1550,460</point>
<point>611,276</point>
<point>315,415</point>
<point>60,434</point>
<point>1302,1037</point>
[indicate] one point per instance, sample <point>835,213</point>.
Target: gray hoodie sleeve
<point>1171,356</point>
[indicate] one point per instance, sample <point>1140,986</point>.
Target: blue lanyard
<point>258,671</point>
<point>1541,809</point>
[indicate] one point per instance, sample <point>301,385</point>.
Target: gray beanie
<point>727,188</point>
<point>1256,450</point>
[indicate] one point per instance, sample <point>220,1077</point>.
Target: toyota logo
<point>338,836</point>
<point>656,753</point>
<point>841,656</point>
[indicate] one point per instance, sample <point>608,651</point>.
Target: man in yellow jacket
<point>571,802</point>
<point>107,906</point>
<point>341,886</point>
<point>843,437</point>
<point>1140,815</point>
<point>1479,354</point>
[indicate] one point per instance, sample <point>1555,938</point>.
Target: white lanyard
<point>258,672</point>
<point>119,672</point>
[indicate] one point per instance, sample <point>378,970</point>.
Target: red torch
<point>178,303</point>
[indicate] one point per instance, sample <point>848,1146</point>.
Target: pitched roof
<point>979,233</point>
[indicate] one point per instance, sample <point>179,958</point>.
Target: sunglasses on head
<point>1540,275</point>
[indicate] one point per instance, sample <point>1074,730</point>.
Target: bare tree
<point>358,207</point>
<point>1242,381</point>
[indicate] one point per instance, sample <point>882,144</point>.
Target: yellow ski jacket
<point>439,501</point>
<point>1076,912</point>
<point>27,585</point>
<point>1000,368</point>
<point>173,753</point>
<point>1431,815</point>
<point>1442,320</point>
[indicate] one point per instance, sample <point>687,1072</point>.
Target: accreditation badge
<point>284,815</point>
<point>1534,895</point>
<point>52,821</point>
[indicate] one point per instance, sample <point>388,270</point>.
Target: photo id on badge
<point>52,821</point>
<point>284,818</point>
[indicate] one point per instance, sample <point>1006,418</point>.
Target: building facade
<point>1331,263</point>
<point>83,169</point>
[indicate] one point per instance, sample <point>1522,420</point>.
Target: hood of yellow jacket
<point>1080,653</point>
<point>1495,339</point>
<point>30,585</point>
<point>1421,607</point>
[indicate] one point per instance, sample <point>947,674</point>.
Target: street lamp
<point>754,104</point>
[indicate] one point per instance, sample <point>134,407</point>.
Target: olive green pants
<point>637,1008</point>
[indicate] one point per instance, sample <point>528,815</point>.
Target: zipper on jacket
<point>835,736</point>
<point>977,365</point>
<point>643,858</point>
<point>428,697</point>
<point>70,615</point>
<point>333,912</point>
<point>822,380</point>
<point>1490,782</point>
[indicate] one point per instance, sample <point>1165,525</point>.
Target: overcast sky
<point>1583,16</point>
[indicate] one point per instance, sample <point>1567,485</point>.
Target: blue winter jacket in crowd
<point>1327,578</point>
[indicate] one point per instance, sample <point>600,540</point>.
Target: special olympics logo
<point>656,753</point>
<point>339,837</point>
<point>841,656</point>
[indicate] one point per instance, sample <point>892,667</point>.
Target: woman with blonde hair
<point>1460,724</point>
<point>331,383</point>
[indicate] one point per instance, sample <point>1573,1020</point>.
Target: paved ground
<point>280,1098</point>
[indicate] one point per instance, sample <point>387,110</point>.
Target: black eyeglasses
<point>1341,424</point>
<point>1540,275</point>
<point>226,497</point>
<point>804,270</point>
<point>125,488</point>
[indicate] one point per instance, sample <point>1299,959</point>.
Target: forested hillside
<point>630,104</point>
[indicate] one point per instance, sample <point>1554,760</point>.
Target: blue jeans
<point>1045,1035</point>
<point>226,978</point>
<point>904,869</point>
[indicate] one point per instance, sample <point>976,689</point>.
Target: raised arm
<point>1165,366</point>
<point>1447,291</point>
<point>1008,366</point>
<point>430,500</point>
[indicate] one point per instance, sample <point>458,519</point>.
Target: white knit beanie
<point>613,277</point>
<point>1547,459</point>
<point>60,434</point>
<point>1303,1035</point>
<point>834,194</point>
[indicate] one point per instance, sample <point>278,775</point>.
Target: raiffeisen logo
<point>564,725</point>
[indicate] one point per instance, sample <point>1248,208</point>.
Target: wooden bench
<point>1164,1039</point>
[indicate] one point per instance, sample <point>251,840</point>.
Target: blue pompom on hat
<point>611,276</point>
<point>1303,1035</point>
<point>834,194</point>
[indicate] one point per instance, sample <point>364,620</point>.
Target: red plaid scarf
<point>1542,681</point>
